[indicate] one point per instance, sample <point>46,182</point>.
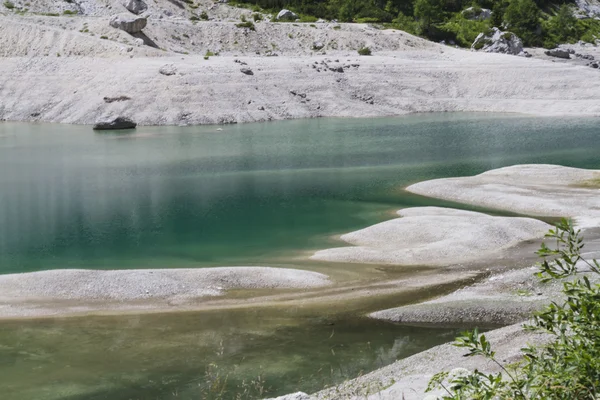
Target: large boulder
<point>128,22</point>
<point>286,15</point>
<point>559,53</point>
<point>477,13</point>
<point>135,6</point>
<point>497,41</point>
<point>116,123</point>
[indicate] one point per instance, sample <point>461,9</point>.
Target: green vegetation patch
<point>536,22</point>
<point>246,24</point>
<point>9,5</point>
<point>592,183</point>
<point>364,51</point>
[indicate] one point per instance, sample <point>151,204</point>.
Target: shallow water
<point>259,194</point>
<point>196,196</point>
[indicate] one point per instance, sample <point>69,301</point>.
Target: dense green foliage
<point>536,22</point>
<point>566,368</point>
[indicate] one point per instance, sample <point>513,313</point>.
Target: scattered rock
<point>117,123</point>
<point>593,65</point>
<point>559,53</point>
<point>477,13</point>
<point>128,22</point>
<point>497,41</point>
<point>585,56</point>
<point>293,396</point>
<point>261,108</point>
<point>317,45</point>
<point>588,8</point>
<point>135,6</point>
<point>117,99</point>
<point>168,69</point>
<point>138,42</point>
<point>286,15</point>
<point>247,71</point>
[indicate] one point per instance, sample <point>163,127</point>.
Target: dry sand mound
<point>434,236</point>
<point>545,190</point>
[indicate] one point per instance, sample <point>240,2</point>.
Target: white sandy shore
<point>544,190</point>
<point>504,298</point>
<point>71,90</point>
<point>52,70</point>
<point>434,236</point>
<point>75,291</point>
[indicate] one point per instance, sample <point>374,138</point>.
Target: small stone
<point>168,69</point>
<point>135,6</point>
<point>247,71</point>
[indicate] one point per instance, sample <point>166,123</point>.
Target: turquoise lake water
<point>255,194</point>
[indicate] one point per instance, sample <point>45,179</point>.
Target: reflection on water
<point>249,194</point>
<point>196,196</point>
<point>169,356</point>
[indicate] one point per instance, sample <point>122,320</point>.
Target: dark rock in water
<point>247,71</point>
<point>117,123</point>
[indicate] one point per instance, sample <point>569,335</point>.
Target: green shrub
<point>405,23</point>
<point>246,24</point>
<point>461,30</point>
<point>70,12</point>
<point>204,16</point>
<point>367,20</point>
<point>568,366</point>
<point>257,17</point>
<point>523,18</point>
<point>9,5</point>
<point>194,18</point>
<point>337,28</point>
<point>103,37</point>
<point>308,18</point>
<point>364,51</point>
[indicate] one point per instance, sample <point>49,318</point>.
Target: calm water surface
<point>257,194</point>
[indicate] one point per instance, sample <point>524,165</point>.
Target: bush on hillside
<point>568,367</point>
<point>364,51</point>
<point>523,18</point>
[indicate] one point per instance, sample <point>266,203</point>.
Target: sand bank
<point>505,298</point>
<point>75,291</point>
<point>544,190</point>
<point>434,236</point>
